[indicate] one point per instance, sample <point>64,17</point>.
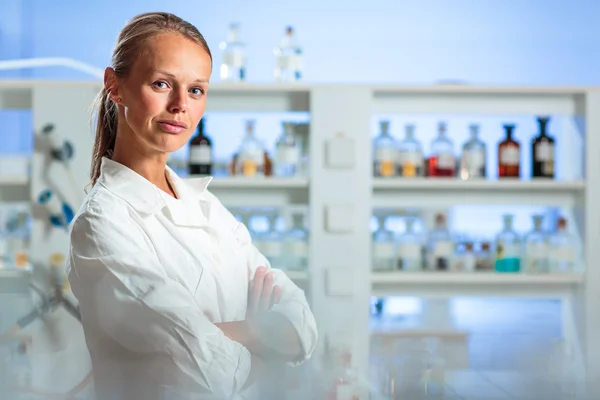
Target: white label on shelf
<point>474,160</point>
<point>271,248</point>
<point>298,248</point>
<point>443,248</point>
<point>383,250</point>
<point>385,154</point>
<point>200,154</point>
<point>409,251</point>
<point>510,155</point>
<point>287,155</point>
<point>234,58</point>
<point>544,151</point>
<point>445,161</point>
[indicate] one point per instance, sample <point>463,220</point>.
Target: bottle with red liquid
<point>342,376</point>
<point>509,155</point>
<point>442,162</point>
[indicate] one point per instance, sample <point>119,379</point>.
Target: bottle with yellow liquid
<point>410,154</point>
<point>384,152</point>
<point>251,156</point>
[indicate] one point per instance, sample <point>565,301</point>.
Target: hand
<point>262,294</point>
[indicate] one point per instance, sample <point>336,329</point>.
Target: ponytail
<point>106,133</point>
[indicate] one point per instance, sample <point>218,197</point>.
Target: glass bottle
<point>251,156</point>
<point>409,252</point>
<point>469,258</point>
<point>384,152</point>
<point>484,259</point>
<point>508,248</point>
<point>441,245</point>
<point>200,158</point>
<point>383,247</point>
<point>342,379</point>
<point>509,155</point>
<point>542,152</point>
<point>441,163</point>
<point>297,243</point>
<point>271,242</point>
<point>410,154</point>
<point>288,58</point>
<point>536,248</point>
<point>562,248</point>
<point>473,158</point>
<point>233,65</point>
<point>286,152</point>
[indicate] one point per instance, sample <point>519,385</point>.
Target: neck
<point>146,162</point>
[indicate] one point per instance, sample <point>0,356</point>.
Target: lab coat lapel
<point>194,210</point>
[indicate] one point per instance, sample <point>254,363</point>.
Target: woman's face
<point>164,96</point>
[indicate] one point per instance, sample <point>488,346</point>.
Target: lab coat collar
<point>145,197</point>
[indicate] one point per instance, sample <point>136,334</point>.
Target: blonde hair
<point>130,45</point>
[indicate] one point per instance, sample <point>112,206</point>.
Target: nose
<point>178,101</point>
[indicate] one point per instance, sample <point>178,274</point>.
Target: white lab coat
<point>152,274</point>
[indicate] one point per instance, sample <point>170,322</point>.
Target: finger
<point>276,296</point>
<point>267,289</point>
<point>256,288</point>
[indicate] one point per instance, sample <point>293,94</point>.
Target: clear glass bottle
<point>542,152</point>
<point>473,158</point>
<point>384,152</point>
<point>509,155</point>
<point>563,248</point>
<point>508,248</point>
<point>342,376</point>
<point>288,58</point>
<point>441,163</point>
<point>536,248</point>
<point>286,152</point>
<point>441,245</point>
<point>469,258</point>
<point>410,154</point>
<point>297,243</point>
<point>233,64</point>
<point>271,242</point>
<point>409,253</point>
<point>251,156</point>
<point>383,247</point>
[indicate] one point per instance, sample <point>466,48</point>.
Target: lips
<point>172,126</point>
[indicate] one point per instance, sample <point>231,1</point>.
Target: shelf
<point>13,181</point>
<point>451,284</point>
<point>439,192</point>
<point>257,183</point>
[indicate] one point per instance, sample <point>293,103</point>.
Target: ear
<point>110,85</point>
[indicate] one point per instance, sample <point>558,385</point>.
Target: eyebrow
<point>160,71</point>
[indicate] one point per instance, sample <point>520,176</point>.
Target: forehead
<point>176,55</point>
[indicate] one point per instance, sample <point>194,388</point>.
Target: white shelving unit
<point>341,196</point>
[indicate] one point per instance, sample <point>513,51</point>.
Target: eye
<point>197,91</point>
<point>160,85</point>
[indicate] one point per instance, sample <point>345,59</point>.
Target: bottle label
<point>386,168</point>
<point>293,62</point>
<point>536,251</point>
<point>200,154</point>
<point>474,160</point>
<point>409,251</point>
<point>507,250</point>
<point>385,154</point>
<point>234,58</point>
<point>445,161</point>
<point>443,248</point>
<point>510,155</point>
<point>563,254</point>
<point>544,151</point>
<point>287,155</point>
<point>271,249</point>
<point>383,250</point>
<point>299,248</point>
<point>249,168</point>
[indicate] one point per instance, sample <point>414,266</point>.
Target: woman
<point>175,300</point>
